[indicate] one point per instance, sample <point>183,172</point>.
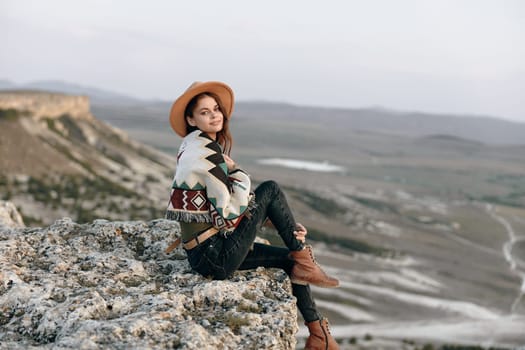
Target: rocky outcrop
<point>45,104</point>
<point>110,285</point>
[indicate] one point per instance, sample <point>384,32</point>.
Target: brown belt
<point>195,241</point>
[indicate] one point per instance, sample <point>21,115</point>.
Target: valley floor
<point>400,303</point>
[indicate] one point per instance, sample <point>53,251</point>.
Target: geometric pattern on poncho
<point>219,170</point>
<point>203,189</point>
<point>190,200</point>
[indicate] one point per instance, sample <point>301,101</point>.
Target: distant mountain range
<point>411,124</point>
<point>96,95</point>
<point>112,107</point>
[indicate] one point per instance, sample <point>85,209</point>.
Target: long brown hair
<point>224,137</point>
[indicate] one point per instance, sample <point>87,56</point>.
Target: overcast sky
<point>457,56</point>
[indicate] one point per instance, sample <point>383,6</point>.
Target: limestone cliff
<point>110,285</point>
<point>57,160</point>
<point>46,104</point>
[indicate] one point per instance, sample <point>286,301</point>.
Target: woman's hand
<point>230,164</point>
<point>300,232</point>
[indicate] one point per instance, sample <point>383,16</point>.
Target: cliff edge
<point>109,284</point>
<point>42,104</point>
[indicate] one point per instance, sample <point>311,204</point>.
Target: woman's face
<point>207,116</point>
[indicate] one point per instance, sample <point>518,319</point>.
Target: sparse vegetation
<point>375,204</point>
<point>469,347</point>
<point>11,114</point>
<point>319,236</point>
<point>5,190</point>
<point>116,157</point>
<point>514,199</point>
<point>513,180</point>
<point>51,125</point>
<point>323,205</point>
<point>429,346</point>
<point>29,220</point>
<point>347,243</point>
<point>6,196</point>
<point>146,154</point>
<point>151,178</point>
<point>53,190</point>
<point>84,215</point>
<point>75,134</point>
<point>83,197</point>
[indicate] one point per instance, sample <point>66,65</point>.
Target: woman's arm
<point>229,199</point>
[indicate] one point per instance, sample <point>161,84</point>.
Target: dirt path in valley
<point>507,253</point>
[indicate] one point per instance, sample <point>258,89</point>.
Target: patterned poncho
<point>203,190</point>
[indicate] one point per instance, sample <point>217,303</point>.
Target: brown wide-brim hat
<point>177,117</point>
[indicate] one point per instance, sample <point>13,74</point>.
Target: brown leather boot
<point>307,271</point>
<point>320,337</point>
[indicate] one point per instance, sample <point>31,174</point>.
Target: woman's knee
<point>270,186</point>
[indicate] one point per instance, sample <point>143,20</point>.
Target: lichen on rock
<point>110,285</point>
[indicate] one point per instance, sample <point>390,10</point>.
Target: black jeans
<point>220,256</point>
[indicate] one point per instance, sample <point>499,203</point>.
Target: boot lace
<point>310,251</point>
<point>327,327</point>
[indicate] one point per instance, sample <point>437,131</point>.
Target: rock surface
<point>110,285</point>
<point>9,215</point>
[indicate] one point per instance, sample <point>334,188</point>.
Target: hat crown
<point>193,85</point>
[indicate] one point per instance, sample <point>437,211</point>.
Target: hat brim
<point>177,117</point>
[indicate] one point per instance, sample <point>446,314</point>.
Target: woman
<point>219,215</point>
